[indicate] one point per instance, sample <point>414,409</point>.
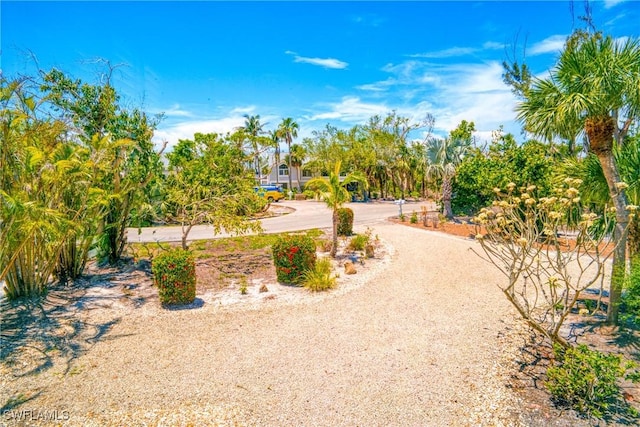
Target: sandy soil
<point>420,336</point>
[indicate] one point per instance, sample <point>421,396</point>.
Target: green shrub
<point>174,273</point>
<point>320,277</point>
<point>587,380</point>
<point>630,304</point>
<point>293,256</point>
<point>345,222</point>
<point>358,242</point>
<point>414,218</point>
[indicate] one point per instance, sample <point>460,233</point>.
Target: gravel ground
<point>426,340</point>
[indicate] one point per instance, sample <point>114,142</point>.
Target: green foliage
<point>293,256</point>
<point>221,196</point>
<point>48,199</point>
<point>125,166</point>
<point>630,302</point>
<point>174,273</point>
<point>528,164</point>
<point>243,285</point>
<point>358,242</point>
<point>320,278</point>
<point>345,222</point>
<point>414,218</point>
<point>587,380</point>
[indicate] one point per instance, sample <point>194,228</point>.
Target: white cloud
<point>322,62</point>
<point>186,129</point>
<point>350,109</point>
<point>451,93</point>
<point>378,86</point>
<point>244,110</point>
<point>551,44</point>
<point>446,53</point>
<point>608,4</point>
<point>493,45</point>
<point>176,111</point>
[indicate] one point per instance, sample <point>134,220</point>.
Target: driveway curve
<point>306,214</point>
<point>427,342</point>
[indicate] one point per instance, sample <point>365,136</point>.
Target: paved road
<point>307,214</point>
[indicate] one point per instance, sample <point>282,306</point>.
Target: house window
<point>283,170</point>
<point>306,173</point>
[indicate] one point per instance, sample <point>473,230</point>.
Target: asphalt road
<point>307,214</point>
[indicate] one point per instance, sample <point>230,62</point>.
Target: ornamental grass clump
<point>293,256</point>
<point>320,277</point>
<point>174,273</point>
<point>527,240</point>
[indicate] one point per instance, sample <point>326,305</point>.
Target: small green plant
<point>320,278</point>
<point>630,308</point>
<point>293,256</point>
<point>587,380</point>
<point>414,218</point>
<point>174,273</point>
<point>402,217</point>
<point>358,242</point>
<point>345,222</point>
<point>243,285</point>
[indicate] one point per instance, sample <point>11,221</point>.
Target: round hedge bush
<point>345,222</point>
<point>174,273</point>
<point>293,256</point>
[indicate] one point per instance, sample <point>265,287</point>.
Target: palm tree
<point>335,194</point>
<point>445,155</point>
<point>288,130</point>
<point>296,156</point>
<point>253,128</point>
<point>274,136</point>
<point>595,83</point>
<point>595,189</point>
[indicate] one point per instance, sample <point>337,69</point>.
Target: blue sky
<point>205,64</point>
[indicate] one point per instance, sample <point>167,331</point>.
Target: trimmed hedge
<point>174,273</point>
<point>345,222</point>
<point>293,256</point>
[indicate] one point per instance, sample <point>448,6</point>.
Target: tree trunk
<point>334,245</point>
<point>447,189</point>
<point>600,131</point>
<point>289,164</point>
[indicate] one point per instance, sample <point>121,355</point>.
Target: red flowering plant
<point>293,256</point>
<point>174,273</point>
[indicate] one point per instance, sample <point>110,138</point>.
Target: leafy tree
<point>208,184</point>
<point>297,157</point>
<point>531,163</point>
<point>131,158</point>
<point>594,84</point>
<point>335,194</point>
<point>253,129</point>
<point>288,131</point>
<point>596,191</point>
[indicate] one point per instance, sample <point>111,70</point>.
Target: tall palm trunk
<point>289,163</point>
<point>447,190</point>
<point>334,246</point>
<point>600,131</point>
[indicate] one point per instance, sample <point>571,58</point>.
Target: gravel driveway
<point>424,343</point>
